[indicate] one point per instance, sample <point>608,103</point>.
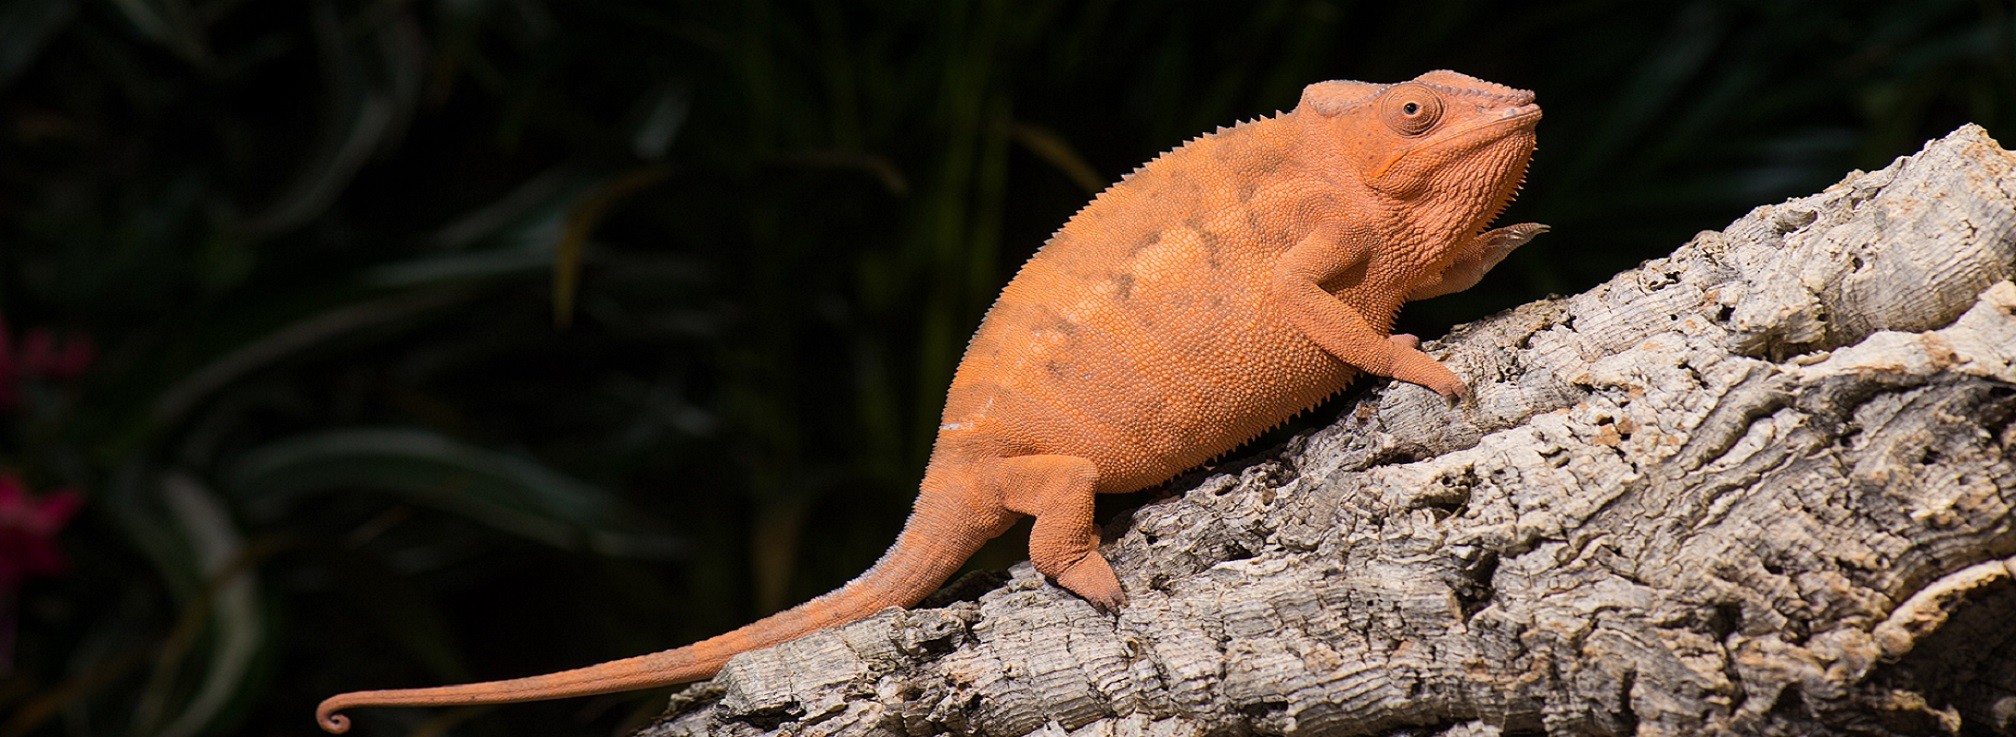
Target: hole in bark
<point>1475,591</point>
<point>1444,509</point>
<point>1797,631</point>
<point>1724,312</point>
<point>768,720</point>
<point>1855,263</point>
<point>1625,712</point>
<point>1428,730</point>
<point>1772,567</point>
<point>1724,620</point>
<point>1965,664</point>
<point>1998,415</point>
<point>1395,457</point>
<point>1262,710</point>
<point>1235,550</point>
<point>1791,703</point>
<point>1453,503</point>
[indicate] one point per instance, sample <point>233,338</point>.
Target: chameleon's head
<point>1443,142</point>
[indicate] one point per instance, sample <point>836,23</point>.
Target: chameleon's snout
<point>1526,110</point>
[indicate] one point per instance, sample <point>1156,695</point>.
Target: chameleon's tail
<point>939,537</point>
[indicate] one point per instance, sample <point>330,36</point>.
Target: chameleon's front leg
<point>1476,256</point>
<point>1296,289</point>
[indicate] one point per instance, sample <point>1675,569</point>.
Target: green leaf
<point>581,221</point>
<point>462,267</point>
<point>290,340</point>
<point>661,114</point>
<point>1059,154</point>
<point>536,206</point>
<point>227,614</point>
<point>170,23</point>
<point>504,491</point>
<point>368,101</point>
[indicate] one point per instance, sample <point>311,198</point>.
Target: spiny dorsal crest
<point>1221,130</point>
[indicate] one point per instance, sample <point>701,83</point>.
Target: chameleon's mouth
<point>1509,121</point>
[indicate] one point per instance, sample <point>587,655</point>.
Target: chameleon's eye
<point>1411,109</point>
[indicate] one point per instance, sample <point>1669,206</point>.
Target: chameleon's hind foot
<point>1064,542</point>
<point>1093,579</point>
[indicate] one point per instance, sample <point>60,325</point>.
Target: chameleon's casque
<point>1213,293</point>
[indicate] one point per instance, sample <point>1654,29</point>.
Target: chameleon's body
<point>1217,291</point>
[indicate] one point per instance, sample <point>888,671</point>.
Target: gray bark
<point>1761,486</point>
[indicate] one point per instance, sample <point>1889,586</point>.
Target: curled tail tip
<point>326,716</point>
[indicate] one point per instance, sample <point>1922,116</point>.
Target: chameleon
<point>1220,289</point>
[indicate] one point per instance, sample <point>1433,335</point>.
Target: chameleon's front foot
<point>1503,241</point>
<point>1475,256</point>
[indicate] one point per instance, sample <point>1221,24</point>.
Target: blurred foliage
<point>446,339</point>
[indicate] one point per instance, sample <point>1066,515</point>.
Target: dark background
<point>454,339</point>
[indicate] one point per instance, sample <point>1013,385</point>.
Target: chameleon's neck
<point>1414,233</point>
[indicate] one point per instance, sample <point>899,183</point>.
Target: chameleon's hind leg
<point>1058,491</point>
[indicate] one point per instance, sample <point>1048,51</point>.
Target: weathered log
<point>1761,486</point>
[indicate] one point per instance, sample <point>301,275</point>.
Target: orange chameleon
<point>1218,290</point>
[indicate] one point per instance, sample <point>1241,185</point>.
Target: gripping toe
<point>1092,579</point>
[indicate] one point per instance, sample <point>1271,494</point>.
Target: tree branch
<point>1761,486</point>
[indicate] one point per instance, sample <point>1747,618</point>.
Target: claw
<point>1514,236</point>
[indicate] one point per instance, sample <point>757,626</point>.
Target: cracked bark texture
<point>1761,486</point>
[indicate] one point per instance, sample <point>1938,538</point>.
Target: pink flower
<point>40,356</point>
<point>28,529</point>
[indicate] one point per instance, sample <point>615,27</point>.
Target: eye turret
<point>1411,109</point>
